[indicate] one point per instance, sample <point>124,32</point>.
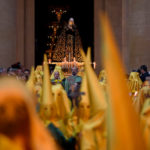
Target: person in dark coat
<point>144,73</point>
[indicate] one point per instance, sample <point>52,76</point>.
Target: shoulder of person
<point>63,79</point>
<point>52,80</point>
<point>79,77</point>
<point>68,78</point>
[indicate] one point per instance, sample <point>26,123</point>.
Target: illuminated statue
<point>69,44</point>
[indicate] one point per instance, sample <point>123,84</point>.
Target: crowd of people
<point>16,70</point>
<point>39,111</point>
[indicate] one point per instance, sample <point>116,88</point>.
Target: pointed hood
<point>84,85</point>
<point>125,125</point>
<point>39,70</point>
<point>84,89</point>
<point>31,81</point>
<point>97,100</point>
<point>135,82</point>
<point>62,102</point>
<point>61,74</point>
<point>89,55</point>
<point>146,107</point>
<point>143,94</point>
<point>47,96</point>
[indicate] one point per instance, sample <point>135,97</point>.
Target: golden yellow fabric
<point>102,75</point>
<point>124,133</point>
<point>97,98</point>
<point>47,97</point>
<point>82,69</point>
<point>38,91</point>
<point>59,69</point>
<point>70,125</point>
<point>39,78</point>
<point>47,109</point>
<point>39,70</point>
<point>134,82</point>
<point>31,81</point>
<point>39,75</point>
<point>143,94</point>
<point>145,120</point>
<point>13,95</point>
<point>7,144</point>
<point>146,83</point>
<point>92,130</point>
<point>94,133</point>
<point>102,79</point>
<point>146,106</point>
<point>62,102</point>
<point>81,72</point>
<point>84,105</point>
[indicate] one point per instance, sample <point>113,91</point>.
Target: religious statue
<point>69,44</point>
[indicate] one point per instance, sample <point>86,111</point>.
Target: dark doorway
<point>81,11</point>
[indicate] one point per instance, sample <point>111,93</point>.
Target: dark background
<point>81,10</point>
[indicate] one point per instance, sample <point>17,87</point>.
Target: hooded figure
<point>145,120</point>
<point>61,128</point>
<point>92,110</point>
<point>48,111</point>
<point>31,81</point>
<point>84,105</point>
<point>60,79</point>
<point>135,82</point>
<point>143,94</point>
<point>18,120</point>
<point>102,76</point>
<point>59,69</point>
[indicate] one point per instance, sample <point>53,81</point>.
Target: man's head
<point>56,75</point>
<point>71,22</point>
<point>74,71</point>
<point>143,69</point>
<point>27,72</point>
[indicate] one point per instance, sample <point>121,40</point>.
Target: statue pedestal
<point>67,66</point>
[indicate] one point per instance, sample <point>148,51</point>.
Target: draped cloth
<point>70,81</point>
<point>68,46</point>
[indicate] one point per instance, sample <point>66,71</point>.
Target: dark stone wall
<point>7,32</point>
<point>17,32</point>
<point>137,33</point>
<point>130,20</point>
